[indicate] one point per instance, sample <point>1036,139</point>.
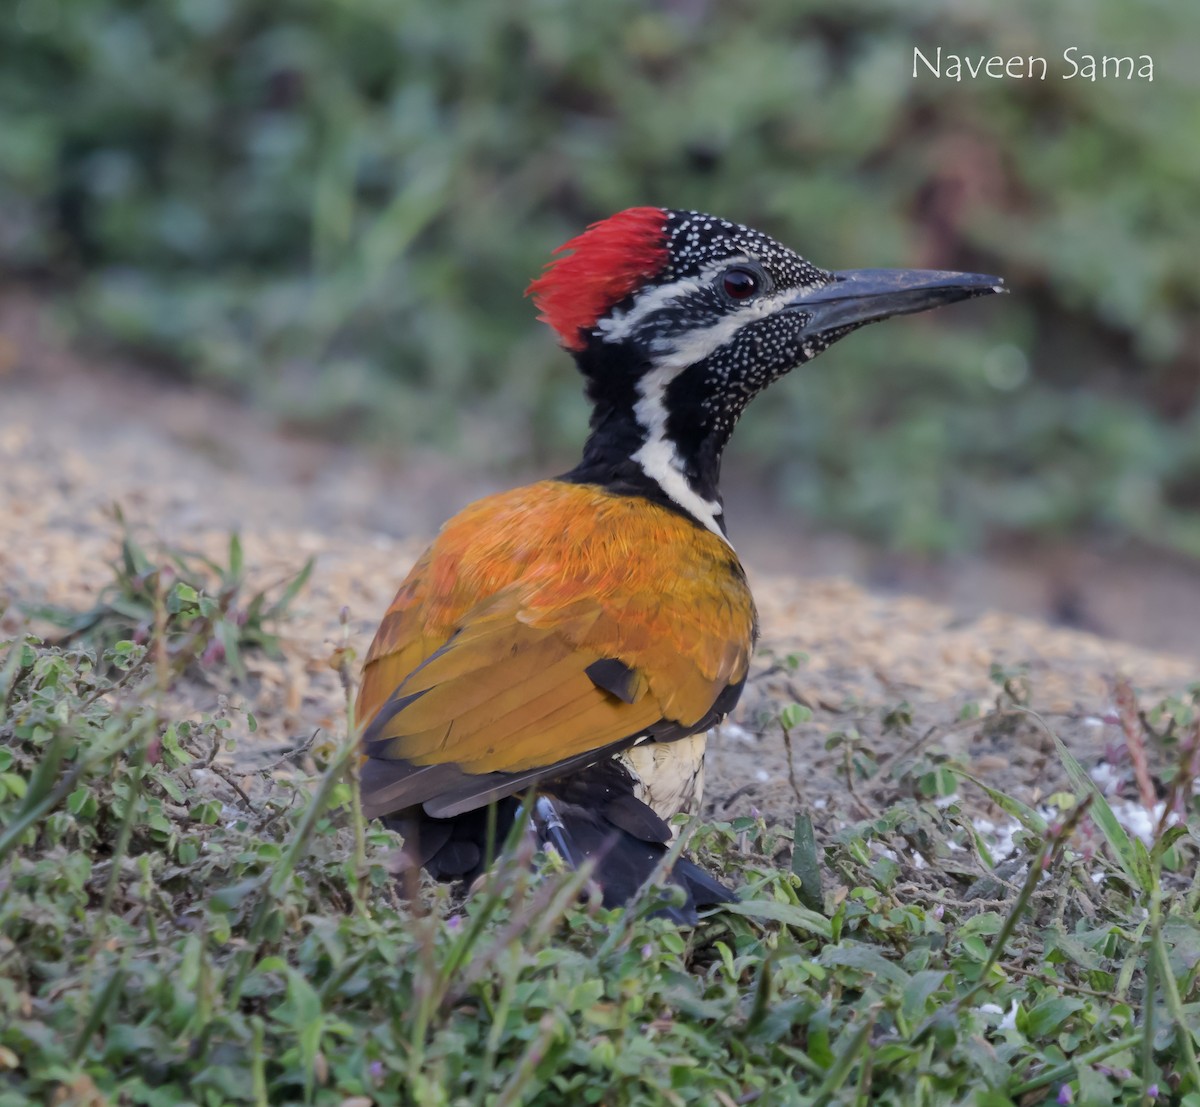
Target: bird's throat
<point>652,434</point>
<point>631,451</point>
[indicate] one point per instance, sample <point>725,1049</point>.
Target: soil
<point>78,434</point>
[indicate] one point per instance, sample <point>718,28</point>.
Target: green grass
<point>173,934</point>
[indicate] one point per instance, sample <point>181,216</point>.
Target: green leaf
<point>805,865</point>
<point>1095,1088</point>
<point>302,998</point>
<point>919,990</point>
<point>227,634</point>
<point>864,958</point>
<point>280,606</point>
<point>976,947</point>
<point>233,895</point>
<point>854,1048</point>
<point>1024,814</point>
<point>1134,862</point>
<point>235,556</point>
<point>794,714</point>
<point>1046,1017</point>
<point>792,914</point>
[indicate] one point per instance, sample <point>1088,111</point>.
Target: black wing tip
<point>615,677</point>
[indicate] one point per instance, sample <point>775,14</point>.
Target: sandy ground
<point>186,466</point>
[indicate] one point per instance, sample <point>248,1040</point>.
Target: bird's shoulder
<point>553,544</point>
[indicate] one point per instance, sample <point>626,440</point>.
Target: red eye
<point>739,283</point>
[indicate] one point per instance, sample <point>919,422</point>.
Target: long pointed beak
<point>858,296</point>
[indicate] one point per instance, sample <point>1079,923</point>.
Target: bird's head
<point>678,319</point>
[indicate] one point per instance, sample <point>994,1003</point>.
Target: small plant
<point>183,606</point>
<point>1148,957</point>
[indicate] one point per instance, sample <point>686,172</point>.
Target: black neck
<point>616,435</point>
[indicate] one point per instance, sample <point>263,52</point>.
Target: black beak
<point>858,296</point>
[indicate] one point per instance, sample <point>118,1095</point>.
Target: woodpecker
<point>579,636</point>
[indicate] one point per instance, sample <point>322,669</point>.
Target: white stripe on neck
<point>659,456</point>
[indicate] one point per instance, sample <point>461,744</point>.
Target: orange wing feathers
<point>481,662</point>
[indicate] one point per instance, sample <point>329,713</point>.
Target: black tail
<point>593,814</point>
<point>624,861</point>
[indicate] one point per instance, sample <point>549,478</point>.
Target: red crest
<point>605,264</point>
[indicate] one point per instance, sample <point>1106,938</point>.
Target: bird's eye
<point>739,283</point>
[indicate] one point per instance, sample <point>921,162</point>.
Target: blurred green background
<point>332,207</point>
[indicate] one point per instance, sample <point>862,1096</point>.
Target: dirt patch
<point>187,466</point>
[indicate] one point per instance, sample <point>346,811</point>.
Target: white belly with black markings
<point>668,776</point>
